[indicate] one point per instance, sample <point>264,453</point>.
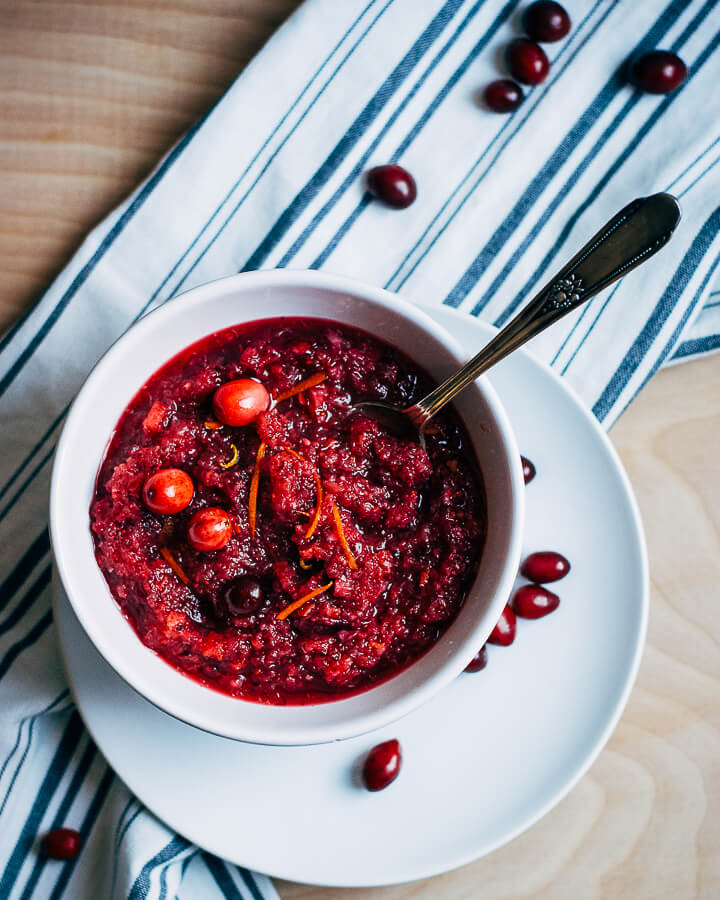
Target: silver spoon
<point>632,236</point>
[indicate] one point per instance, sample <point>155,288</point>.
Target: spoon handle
<point>635,234</point>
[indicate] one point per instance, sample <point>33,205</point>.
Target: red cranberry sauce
<point>395,547</point>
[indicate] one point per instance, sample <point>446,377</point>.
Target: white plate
<point>485,759</point>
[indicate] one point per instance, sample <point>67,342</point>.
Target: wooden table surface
<point>91,94</point>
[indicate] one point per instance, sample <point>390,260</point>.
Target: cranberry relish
<point>398,531</point>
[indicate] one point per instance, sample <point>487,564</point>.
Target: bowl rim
<point>173,705</point>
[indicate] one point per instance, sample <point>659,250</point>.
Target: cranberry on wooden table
<point>168,491</point>
<point>533,602</point>
<point>658,72</point>
<point>62,843</point>
<point>503,95</point>
<point>504,632</point>
<point>382,765</point>
<point>478,662</point>
<point>527,61</point>
<point>243,596</point>
<point>546,21</point>
<point>209,529</point>
<point>528,469</point>
<point>240,402</point>
<point>393,185</point>
<point>545,566</point>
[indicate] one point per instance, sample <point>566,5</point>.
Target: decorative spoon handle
<point>635,234</point>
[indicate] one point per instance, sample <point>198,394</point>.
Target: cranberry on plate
<point>546,21</point>
<point>658,72</point>
<point>503,95</point>
<point>168,491</point>
<point>478,662</point>
<point>393,185</point>
<point>533,602</point>
<point>382,765</point>
<point>545,566</point>
<point>209,529</point>
<point>528,469</point>
<point>240,402</point>
<point>504,632</point>
<point>62,843</point>
<point>527,61</point>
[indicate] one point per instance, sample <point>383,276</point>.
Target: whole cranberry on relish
<point>319,554</point>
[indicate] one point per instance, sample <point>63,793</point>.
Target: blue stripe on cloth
<point>565,148</point>
<point>59,820</point>
<point>353,134</point>
<point>31,477</point>
<point>85,828</point>
<point>38,586</point>
<point>638,136</point>
<point>635,354</point>
<point>427,114</point>
<point>692,164</point>
<point>270,160</point>
<point>699,177</point>
<point>250,883</point>
<point>518,119</point>
<point>39,547</point>
<point>120,835</point>
<point>219,872</point>
<point>142,885</point>
<point>32,636</point>
<point>38,444</point>
<point>697,345</point>
<point>68,743</point>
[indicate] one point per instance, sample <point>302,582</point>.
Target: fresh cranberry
<point>527,61</point>
<point>393,185</point>
<point>545,566</point>
<point>478,662</point>
<point>528,469</point>
<point>658,72</point>
<point>62,843</point>
<point>243,596</point>
<point>533,602</point>
<point>382,765</point>
<point>546,21</point>
<point>504,632</point>
<point>209,529</point>
<point>503,95</point>
<point>240,402</point>
<point>168,491</point>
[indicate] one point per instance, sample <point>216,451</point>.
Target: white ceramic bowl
<point>124,369</point>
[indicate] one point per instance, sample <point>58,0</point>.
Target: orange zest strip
<point>341,537</point>
<point>296,604</point>
<point>303,386</point>
<point>377,646</point>
<point>316,518</point>
<point>423,578</point>
<point>305,565</point>
<point>174,565</point>
<point>252,499</point>
<point>211,424</point>
<point>233,459</point>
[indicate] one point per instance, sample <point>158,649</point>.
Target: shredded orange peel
<point>174,565</point>
<point>296,604</point>
<point>341,537</point>
<point>211,424</point>
<point>233,459</point>
<point>303,386</point>
<point>252,499</point>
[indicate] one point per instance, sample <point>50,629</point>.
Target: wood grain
<point>91,94</point>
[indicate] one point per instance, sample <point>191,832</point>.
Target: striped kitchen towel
<point>273,176</point>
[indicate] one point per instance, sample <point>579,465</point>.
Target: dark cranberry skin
<point>658,72</point>
<point>546,21</point>
<point>240,402</point>
<point>243,596</point>
<point>527,61</point>
<point>504,632</point>
<point>209,529</point>
<point>62,843</point>
<point>503,95</point>
<point>382,765</point>
<point>393,185</point>
<point>533,602</point>
<point>168,491</point>
<point>545,566</point>
<point>478,662</point>
<point>528,469</point>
